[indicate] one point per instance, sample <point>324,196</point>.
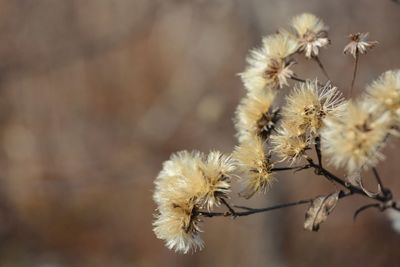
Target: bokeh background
<point>96,94</point>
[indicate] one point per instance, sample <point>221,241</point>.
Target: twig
<point>386,192</point>
<point>316,58</point>
<point>295,78</point>
<point>298,79</point>
<point>231,210</point>
<point>277,169</point>
<point>385,201</point>
<point>250,211</point>
<point>365,207</point>
<point>377,177</point>
<point>354,73</point>
<point>318,150</point>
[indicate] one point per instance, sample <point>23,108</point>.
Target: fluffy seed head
<point>311,33</point>
<point>188,182</point>
<point>280,45</point>
<point>178,226</point>
<point>355,139</point>
<point>180,179</point>
<point>288,144</point>
<point>385,91</point>
<point>254,166</point>
<point>269,66</point>
<point>217,171</point>
<point>255,116</point>
<point>308,104</point>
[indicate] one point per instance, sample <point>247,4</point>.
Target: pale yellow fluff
<point>308,104</point>
<point>311,33</point>
<point>288,144</point>
<point>385,91</point>
<point>268,66</point>
<point>280,45</point>
<point>355,139</point>
<point>253,166</point>
<point>189,181</point>
<point>254,114</point>
<point>178,226</point>
<point>217,170</point>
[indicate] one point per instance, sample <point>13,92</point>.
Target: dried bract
<point>359,44</point>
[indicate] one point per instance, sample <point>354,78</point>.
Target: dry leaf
<point>319,210</point>
<point>356,180</point>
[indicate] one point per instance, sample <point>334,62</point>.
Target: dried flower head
<point>254,165</point>
<point>178,226</point>
<point>359,44</point>
<point>187,183</point>
<point>355,139</point>
<point>179,189</point>
<point>311,33</point>
<point>280,45</point>
<point>255,115</point>
<point>385,91</point>
<point>308,104</point>
<point>217,170</point>
<point>288,144</point>
<point>269,66</point>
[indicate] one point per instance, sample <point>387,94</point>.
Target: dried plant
<point>315,117</point>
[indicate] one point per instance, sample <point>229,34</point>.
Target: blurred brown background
<point>96,94</point>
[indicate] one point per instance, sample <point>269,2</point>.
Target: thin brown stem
<point>249,211</point>
<point>322,171</point>
<point>354,73</point>
<point>277,169</point>
<point>377,177</point>
<point>385,201</point>
<point>231,210</point>
<point>298,79</point>
<point>295,78</point>
<point>316,58</point>
<point>318,150</point>
<point>365,207</point>
<point>386,192</point>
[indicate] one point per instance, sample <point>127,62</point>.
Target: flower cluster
<point>312,34</point>
<point>188,183</point>
<point>303,114</point>
<point>350,133</point>
<point>270,66</point>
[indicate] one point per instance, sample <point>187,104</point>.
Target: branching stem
<point>384,202</point>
